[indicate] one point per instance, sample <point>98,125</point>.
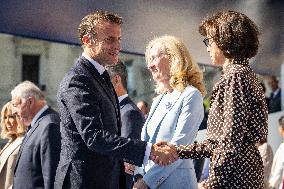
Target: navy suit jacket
<point>38,156</point>
<point>92,149</point>
<point>274,104</point>
<point>132,121</point>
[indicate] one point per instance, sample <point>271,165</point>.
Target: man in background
<point>38,156</point>
<point>274,104</point>
<point>144,107</point>
<point>132,119</point>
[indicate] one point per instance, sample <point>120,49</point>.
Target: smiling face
<point>216,55</point>
<point>105,44</point>
<point>159,64</point>
<point>10,122</point>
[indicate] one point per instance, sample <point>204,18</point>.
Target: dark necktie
<point>106,77</point>
<point>27,132</point>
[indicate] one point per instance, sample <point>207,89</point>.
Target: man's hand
<point>129,168</point>
<point>163,153</point>
<point>140,184</point>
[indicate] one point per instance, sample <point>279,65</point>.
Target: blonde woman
<point>12,129</point>
<point>176,112</point>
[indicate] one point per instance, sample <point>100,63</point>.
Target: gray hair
<point>118,69</point>
<point>27,89</point>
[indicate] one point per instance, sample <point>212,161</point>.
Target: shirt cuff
<point>147,153</point>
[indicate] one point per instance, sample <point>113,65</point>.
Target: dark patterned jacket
<point>237,120</point>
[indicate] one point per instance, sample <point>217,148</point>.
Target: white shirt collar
<point>38,114</point>
<point>99,67</point>
<point>120,98</point>
<point>276,92</point>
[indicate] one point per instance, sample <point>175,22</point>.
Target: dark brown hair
<point>233,32</point>
<point>90,21</point>
<point>281,122</point>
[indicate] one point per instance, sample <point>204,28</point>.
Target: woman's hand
<point>163,153</point>
<point>201,185</point>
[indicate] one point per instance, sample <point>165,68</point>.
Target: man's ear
<point>117,79</point>
<point>31,101</point>
<point>87,40</point>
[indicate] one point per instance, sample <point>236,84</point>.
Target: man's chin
<point>25,122</point>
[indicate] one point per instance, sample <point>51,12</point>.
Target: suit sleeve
<point>83,105</point>
<point>187,125</point>
<point>132,125</point>
<point>235,119</point>
<point>50,153</point>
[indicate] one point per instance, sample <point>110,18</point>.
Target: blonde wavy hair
<point>183,70</point>
<point>7,110</point>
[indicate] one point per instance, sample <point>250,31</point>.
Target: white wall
<point>274,138</point>
<point>282,85</point>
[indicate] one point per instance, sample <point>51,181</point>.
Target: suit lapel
<point>96,75</point>
<point>28,135</point>
<point>124,102</point>
<point>11,149</point>
<point>110,92</point>
<point>174,97</point>
<point>156,102</point>
<point>6,145</point>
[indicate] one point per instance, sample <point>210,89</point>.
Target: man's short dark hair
<point>145,103</point>
<point>234,33</point>
<point>90,21</point>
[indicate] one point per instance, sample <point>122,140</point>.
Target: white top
<point>120,98</point>
<point>275,180</point>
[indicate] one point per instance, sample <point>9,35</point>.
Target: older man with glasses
<point>39,154</point>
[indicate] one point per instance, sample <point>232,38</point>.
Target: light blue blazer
<point>178,124</point>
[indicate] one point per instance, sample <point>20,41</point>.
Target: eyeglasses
<point>206,42</point>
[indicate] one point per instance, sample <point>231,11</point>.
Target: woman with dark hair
<point>237,117</point>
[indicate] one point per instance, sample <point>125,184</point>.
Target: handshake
<point>163,153</point>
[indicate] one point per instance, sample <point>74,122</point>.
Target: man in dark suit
<point>92,151</point>
<point>132,119</point>
<point>38,156</point>
<point>274,103</point>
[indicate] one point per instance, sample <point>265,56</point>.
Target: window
<point>30,68</point>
